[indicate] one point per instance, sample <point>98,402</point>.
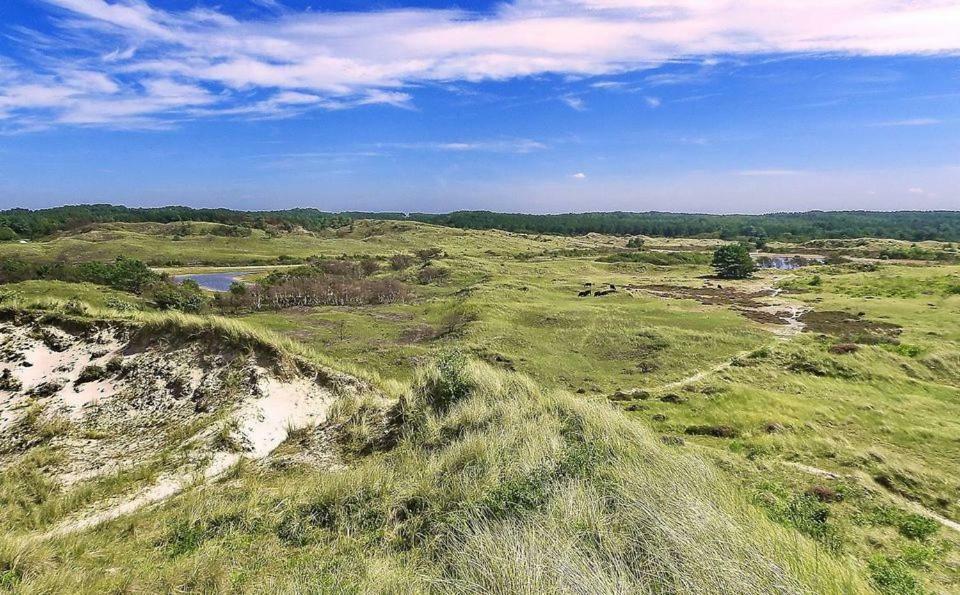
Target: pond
<point>787,263</point>
<point>213,281</point>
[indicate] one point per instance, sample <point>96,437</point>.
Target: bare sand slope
<point>110,399</point>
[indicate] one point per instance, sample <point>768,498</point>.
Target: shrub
<point>844,348</point>
<point>398,262</point>
<point>915,526</point>
<point>75,307</point>
<point>715,431</point>
<point>733,261</point>
<point>428,254</point>
<point>892,575</point>
<point>450,383</point>
<point>429,274</point>
<point>369,266</point>
<point>120,305</point>
<point>91,373</point>
<point>186,297</point>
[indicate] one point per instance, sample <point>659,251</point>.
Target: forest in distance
<point>912,226</point>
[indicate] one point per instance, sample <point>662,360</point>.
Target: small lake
<point>213,281</point>
<point>786,263</point>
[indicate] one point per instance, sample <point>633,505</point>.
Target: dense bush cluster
<point>340,282</point>
<point>125,274</point>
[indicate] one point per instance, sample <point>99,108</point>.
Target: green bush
<point>450,383</point>
<point>893,576</point>
<point>916,526</point>
<point>733,261</point>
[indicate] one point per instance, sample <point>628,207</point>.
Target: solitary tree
<point>733,261</point>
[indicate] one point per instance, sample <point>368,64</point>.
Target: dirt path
<point>701,374</point>
<point>906,503</point>
<point>774,304</point>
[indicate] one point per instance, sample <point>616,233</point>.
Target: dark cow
<point>584,293</point>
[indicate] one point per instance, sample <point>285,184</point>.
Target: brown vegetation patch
<point>745,303</point>
<point>852,328</point>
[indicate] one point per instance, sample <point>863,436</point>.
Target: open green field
<point>828,395</point>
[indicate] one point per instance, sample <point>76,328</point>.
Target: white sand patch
<point>265,422</point>
<point>86,394</point>
<point>42,364</point>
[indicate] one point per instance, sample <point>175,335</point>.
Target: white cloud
<point>916,191</point>
<point>652,102</point>
<point>579,176</point>
<point>359,58</point>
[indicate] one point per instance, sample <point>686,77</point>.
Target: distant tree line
<point>25,223</point>
<point>903,225</point>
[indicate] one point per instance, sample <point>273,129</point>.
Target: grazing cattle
<point>604,292</point>
<point>588,284</point>
<point>584,293</point>
<point>613,287</point>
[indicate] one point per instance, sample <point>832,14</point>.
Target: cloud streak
<point>134,53</point>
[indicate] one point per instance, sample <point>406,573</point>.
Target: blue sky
<point>532,105</point>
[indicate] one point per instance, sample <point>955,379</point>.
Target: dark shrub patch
<point>673,398</point>
<point>915,526</point>
<point>451,383</point>
<point>715,431</point>
<point>9,382</point>
<point>844,348</point>
<point>91,373</point>
<point>825,493</point>
<point>47,389</point>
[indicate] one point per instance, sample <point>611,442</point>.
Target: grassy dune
<point>496,486</point>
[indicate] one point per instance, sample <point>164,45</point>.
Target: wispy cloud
<point>911,122</point>
<point>232,66</point>
<point>519,146</point>
<point>769,172</point>
<point>579,176</point>
<point>574,102</point>
<point>652,102</point>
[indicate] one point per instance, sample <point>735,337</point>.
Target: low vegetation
<point>810,412</point>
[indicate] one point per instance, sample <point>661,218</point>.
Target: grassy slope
<point>509,489</point>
